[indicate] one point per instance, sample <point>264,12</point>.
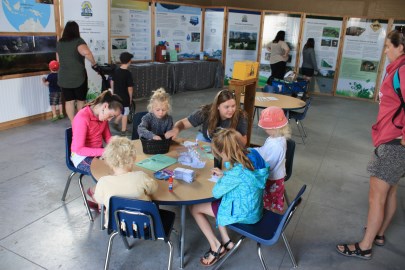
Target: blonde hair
<point>280,132</point>
<point>120,152</point>
<point>160,95</point>
<point>225,141</point>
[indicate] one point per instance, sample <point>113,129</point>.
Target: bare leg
<point>390,208</point>
<point>70,109</point>
<point>80,104</point>
<point>199,211</point>
<point>377,198</point>
<point>60,109</point>
<point>53,108</point>
<point>124,121</point>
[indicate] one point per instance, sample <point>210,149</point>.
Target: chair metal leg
<point>67,185</point>
<point>107,258</point>
<point>102,209</point>
<point>84,198</point>
<point>287,245</point>
<point>303,129</point>
<point>169,266</point>
<point>182,235</point>
<point>286,198</point>
<point>229,253</point>
<point>259,252</point>
<point>301,132</point>
<point>126,243</point>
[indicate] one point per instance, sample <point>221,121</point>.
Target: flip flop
<point>357,252</point>
<point>217,256</point>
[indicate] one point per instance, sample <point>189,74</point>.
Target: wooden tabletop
<point>281,101</point>
<point>183,193</point>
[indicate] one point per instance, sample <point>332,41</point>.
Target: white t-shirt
<point>273,152</point>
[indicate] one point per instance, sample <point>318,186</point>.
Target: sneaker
<point>54,119</point>
<point>116,127</point>
<point>61,116</point>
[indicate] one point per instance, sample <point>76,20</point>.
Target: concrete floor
<point>39,231</point>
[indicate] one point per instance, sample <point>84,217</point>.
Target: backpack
<point>397,88</point>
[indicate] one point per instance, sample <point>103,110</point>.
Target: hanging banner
<point>91,18</point>
<point>290,23</point>
<point>326,31</point>
<point>363,44</point>
<point>26,16</point>
<point>213,33</point>
<point>179,28</point>
<point>131,26</point>
<point>243,35</point>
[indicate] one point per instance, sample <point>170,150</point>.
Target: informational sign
<point>91,17</point>
<point>290,23</point>
<point>131,29</point>
<point>243,38</point>
<point>26,16</point>
<point>326,31</point>
<point>363,45</point>
<point>213,33</point>
<point>179,28</point>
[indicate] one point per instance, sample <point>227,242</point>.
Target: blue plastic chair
<point>131,218</point>
<point>69,164</point>
<point>299,117</point>
<point>289,160</point>
<point>267,231</point>
<point>135,123</point>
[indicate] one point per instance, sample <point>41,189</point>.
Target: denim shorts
<point>388,163</point>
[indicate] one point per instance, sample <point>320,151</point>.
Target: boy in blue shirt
<point>54,90</point>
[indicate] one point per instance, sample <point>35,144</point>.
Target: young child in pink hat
<point>275,124</point>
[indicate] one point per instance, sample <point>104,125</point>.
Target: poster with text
<point>290,23</point>
<point>179,28</point>
<point>326,32</point>
<point>363,45</point>
<point>213,33</point>
<point>243,38</point>
<point>131,29</point>
<point>91,17</point>
<point>26,16</point>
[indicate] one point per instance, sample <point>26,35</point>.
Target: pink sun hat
<point>272,118</point>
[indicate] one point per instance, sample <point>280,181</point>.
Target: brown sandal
<point>227,244</point>
<point>217,256</point>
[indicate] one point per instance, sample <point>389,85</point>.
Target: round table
<point>264,100</point>
<point>183,194</point>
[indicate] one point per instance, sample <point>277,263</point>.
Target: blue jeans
<point>85,164</point>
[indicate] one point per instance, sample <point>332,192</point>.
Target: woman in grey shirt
<point>308,60</point>
<point>222,113</point>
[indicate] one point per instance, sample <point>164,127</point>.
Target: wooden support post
<point>248,89</point>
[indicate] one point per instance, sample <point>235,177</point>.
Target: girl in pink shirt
<point>90,129</point>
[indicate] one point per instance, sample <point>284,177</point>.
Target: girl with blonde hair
<point>158,121</point>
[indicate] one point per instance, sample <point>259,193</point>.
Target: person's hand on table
<point>218,172</point>
<point>171,134</point>
<point>157,138</point>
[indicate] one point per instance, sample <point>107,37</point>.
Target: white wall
<point>23,97</point>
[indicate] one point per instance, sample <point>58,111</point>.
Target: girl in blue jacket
<point>239,190</point>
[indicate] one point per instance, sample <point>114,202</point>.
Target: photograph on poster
<point>242,40</point>
<point>195,37</point>
<point>326,42</point>
<point>354,31</point>
<point>369,66</point>
<point>332,32</point>
<point>24,54</point>
<point>44,1</point>
<point>119,43</point>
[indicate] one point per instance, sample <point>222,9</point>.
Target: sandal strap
<point>380,237</point>
<point>213,253</point>
<point>227,244</point>
<point>361,252</point>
